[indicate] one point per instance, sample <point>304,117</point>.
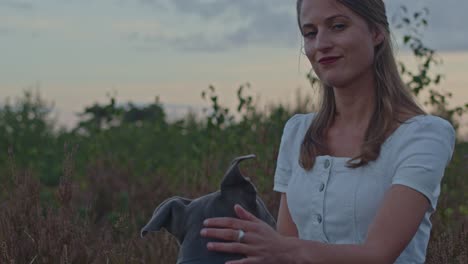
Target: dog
<point>183,218</point>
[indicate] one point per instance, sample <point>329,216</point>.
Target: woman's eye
<point>339,26</point>
<point>310,34</point>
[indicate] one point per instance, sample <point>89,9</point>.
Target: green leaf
<point>406,39</point>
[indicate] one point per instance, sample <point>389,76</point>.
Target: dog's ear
<point>234,181</point>
<point>169,215</point>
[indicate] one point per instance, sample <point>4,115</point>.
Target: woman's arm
<point>285,225</point>
<point>394,226</point>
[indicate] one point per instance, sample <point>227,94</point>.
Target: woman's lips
<point>329,60</point>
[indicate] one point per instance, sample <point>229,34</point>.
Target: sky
<point>76,52</point>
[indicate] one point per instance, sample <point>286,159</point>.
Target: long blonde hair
<point>392,95</point>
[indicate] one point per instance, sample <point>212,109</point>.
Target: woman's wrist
<point>296,251</point>
<point>305,252</point>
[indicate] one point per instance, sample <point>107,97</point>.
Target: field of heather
<point>82,195</point>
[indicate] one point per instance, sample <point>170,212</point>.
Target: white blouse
<point>335,204</point>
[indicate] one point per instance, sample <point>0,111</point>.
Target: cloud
<point>216,8</point>
<point>197,42</point>
<point>447,24</point>
<point>11,25</point>
<point>135,25</point>
<point>4,31</point>
<point>15,4</point>
<point>269,22</point>
<point>273,23</point>
<point>159,5</point>
<point>272,27</point>
<point>446,29</point>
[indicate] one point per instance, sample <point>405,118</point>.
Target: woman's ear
<point>378,36</point>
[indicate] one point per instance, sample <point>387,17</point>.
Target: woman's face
<point>337,42</point>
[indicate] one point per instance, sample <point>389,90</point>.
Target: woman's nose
<point>323,41</point>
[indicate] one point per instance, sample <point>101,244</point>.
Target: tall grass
<point>81,196</point>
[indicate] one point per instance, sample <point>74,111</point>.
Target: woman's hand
<point>260,243</point>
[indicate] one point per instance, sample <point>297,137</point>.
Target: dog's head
<point>183,218</point>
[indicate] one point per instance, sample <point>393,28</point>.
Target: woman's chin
<point>330,78</point>
<point>333,82</point>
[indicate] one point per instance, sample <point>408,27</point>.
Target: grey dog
<point>183,218</point>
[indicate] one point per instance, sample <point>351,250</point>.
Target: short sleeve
<point>424,153</point>
<point>286,150</point>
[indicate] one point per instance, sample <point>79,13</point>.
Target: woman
<point>361,177</point>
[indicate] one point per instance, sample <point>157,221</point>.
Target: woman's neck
<point>355,103</point>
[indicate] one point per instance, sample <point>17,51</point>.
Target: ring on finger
<point>240,235</point>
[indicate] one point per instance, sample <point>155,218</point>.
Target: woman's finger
<point>223,234</point>
<point>229,222</point>
<point>229,235</point>
<point>236,248</point>
<point>249,260</point>
<point>244,214</point>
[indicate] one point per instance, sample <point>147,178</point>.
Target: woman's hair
<point>392,96</point>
